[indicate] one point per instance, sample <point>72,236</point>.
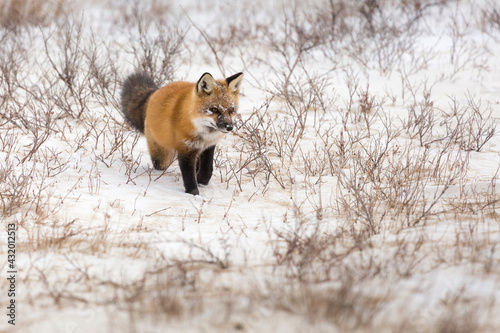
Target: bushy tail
<point>136,90</point>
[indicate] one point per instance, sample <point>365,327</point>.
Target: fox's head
<point>218,101</point>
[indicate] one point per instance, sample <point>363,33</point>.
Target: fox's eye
<point>231,110</point>
<point>214,110</point>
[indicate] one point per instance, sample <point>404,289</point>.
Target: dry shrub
<point>377,34</point>
<point>322,275</point>
<point>133,12</point>
<point>343,305</point>
<point>30,12</point>
<point>490,18</point>
<point>155,40</point>
<point>15,188</point>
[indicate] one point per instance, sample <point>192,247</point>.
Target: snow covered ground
<point>359,192</point>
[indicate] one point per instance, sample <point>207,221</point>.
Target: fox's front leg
<point>205,166</point>
<point>187,164</point>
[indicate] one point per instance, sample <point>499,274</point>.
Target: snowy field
<point>359,192</point>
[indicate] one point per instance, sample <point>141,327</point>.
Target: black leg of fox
<point>187,164</point>
<point>205,166</point>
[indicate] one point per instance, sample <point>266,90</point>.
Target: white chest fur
<point>206,134</point>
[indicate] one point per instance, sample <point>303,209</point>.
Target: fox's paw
<point>194,191</point>
<point>203,180</point>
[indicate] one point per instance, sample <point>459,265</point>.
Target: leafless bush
<point>40,125</point>
<point>477,202</point>
<point>491,18</point>
<point>307,253</point>
<point>464,50</point>
<point>257,132</point>
<point>215,45</point>
<point>456,318</point>
<point>271,142</point>
<point>155,53</point>
<point>12,60</point>
<point>380,34</point>
<point>171,288</point>
<point>133,12</point>
<point>81,70</point>
<point>343,305</point>
<point>206,254</point>
<point>397,193</point>
<point>103,80</point>
<point>223,42</point>
<point>422,120</point>
<point>15,187</point>
<point>367,111</point>
<point>383,180</point>
<point>161,293</point>
<point>131,162</point>
<point>14,13</point>
<point>110,140</point>
<point>289,131</point>
<point>470,126</point>
<point>323,274</point>
<point>67,78</point>
<point>54,164</point>
<point>294,41</point>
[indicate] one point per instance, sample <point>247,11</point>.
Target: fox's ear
<point>234,82</point>
<point>205,84</point>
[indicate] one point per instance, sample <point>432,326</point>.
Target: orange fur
<point>171,113</point>
<point>184,119</point>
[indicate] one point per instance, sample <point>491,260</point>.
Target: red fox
<point>183,119</point>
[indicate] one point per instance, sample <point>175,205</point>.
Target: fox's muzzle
<point>225,127</point>
<point>225,124</point>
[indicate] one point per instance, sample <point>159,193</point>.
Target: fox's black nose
<point>229,127</point>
